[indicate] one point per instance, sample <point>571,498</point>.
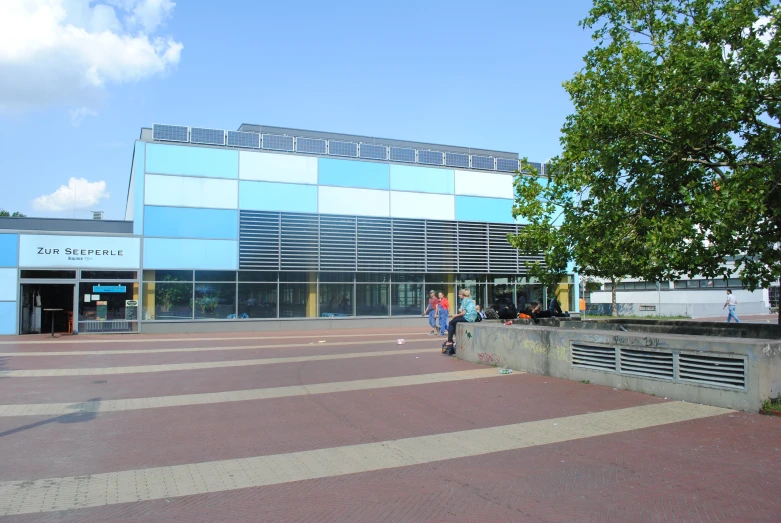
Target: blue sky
<point>484,74</point>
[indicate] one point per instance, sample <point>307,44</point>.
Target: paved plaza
<point>351,426</point>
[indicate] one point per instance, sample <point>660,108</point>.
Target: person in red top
<point>431,311</point>
<point>444,310</point>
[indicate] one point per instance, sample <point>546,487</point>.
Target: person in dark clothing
<point>554,307</point>
<point>506,310</point>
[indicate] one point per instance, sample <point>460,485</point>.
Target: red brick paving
<point>715,469</point>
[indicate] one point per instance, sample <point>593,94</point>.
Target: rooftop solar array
<point>325,146</point>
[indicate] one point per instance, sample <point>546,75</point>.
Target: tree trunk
<point>779,300</point>
<point>613,305</point>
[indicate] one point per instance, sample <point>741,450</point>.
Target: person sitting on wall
<point>467,312</point>
<point>506,309</point>
<point>555,309</point>
<point>480,313</point>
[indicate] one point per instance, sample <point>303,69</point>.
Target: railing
<point>339,148</point>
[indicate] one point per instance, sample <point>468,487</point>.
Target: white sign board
<point>98,252</point>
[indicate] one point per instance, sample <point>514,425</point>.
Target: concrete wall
<point>547,351</point>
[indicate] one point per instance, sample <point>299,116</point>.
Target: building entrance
<point>40,304</point>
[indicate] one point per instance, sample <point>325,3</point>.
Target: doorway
<point>37,297</point>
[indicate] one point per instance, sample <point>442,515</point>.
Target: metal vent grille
<point>483,162</point>
<point>207,136</point>
<point>593,357</point>
<point>277,142</point>
<point>646,363</point>
<point>169,133</point>
<point>506,165</point>
<point>336,148</point>
<point>402,154</point>
<point>240,139</point>
<point>374,244</point>
<point>310,145</point>
<point>408,241</point>
<point>337,243</point>
<point>472,247</point>
<point>298,242</point>
<point>259,240</point>
<point>430,157</point>
<point>441,243</point>
<point>457,160</point>
<point>502,257</point>
<point>373,152</point>
<point>712,370</point>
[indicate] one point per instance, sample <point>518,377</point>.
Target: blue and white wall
<point>187,204</point>
<point>9,252</point>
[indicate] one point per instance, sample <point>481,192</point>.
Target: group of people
<point>506,310</point>
<point>438,312</point>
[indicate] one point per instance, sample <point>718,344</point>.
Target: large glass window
<point>159,275</point>
<point>168,300</point>
<point>526,294</point>
<point>215,301</point>
<point>258,276</point>
<point>337,277</point>
<point>407,299</point>
<point>374,277</point>
<point>106,301</point>
<point>408,277</point>
<point>336,299</point>
<point>294,300</point>
<point>215,276</point>
<point>500,294</point>
<point>257,300</point>
<point>59,275</point>
<point>371,299</point>
<point>108,275</point>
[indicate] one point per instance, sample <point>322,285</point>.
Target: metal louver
<point>472,247</point>
<point>374,244</point>
<point>712,370</point>
<point>299,237</point>
<point>337,243</point>
<point>259,240</point>
<point>502,257</point>
<point>593,357</point>
<point>441,244</point>
<point>646,363</point>
<point>409,240</point>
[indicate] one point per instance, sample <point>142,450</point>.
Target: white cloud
<point>79,194</point>
<point>68,51</point>
<point>78,115</point>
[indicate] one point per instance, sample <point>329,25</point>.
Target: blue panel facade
<point>7,317</point>
<point>352,173</point>
<point>138,187</point>
<point>272,196</point>
<point>9,250</point>
<point>166,253</point>
<point>192,161</point>
<point>179,222</point>
<point>422,179</point>
<point>479,209</point>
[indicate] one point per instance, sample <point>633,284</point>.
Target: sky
<point>80,78</point>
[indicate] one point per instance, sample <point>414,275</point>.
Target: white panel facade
<point>492,185</point>
<point>359,202</point>
<point>8,284</point>
<point>419,205</point>
<point>181,191</point>
<point>271,167</point>
<point>96,252</point>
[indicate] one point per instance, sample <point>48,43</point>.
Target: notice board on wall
<point>131,310</point>
<point>102,311</point>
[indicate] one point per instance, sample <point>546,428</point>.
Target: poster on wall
<point>104,252</point>
<point>131,310</point>
<point>102,311</point>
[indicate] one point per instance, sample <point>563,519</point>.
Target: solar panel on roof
<point>507,165</point>
<point>373,152</point>
<point>337,148</point>
<point>169,133</point>
<point>310,145</point>
<point>456,160</point>
<point>430,157</point>
<point>402,154</point>
<point>207,136</point>
<point>277,142</point>
<point>241,139</point>
<point>483,162</point>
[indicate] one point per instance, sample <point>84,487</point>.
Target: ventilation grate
<point>502,257</point>
<point>298,242</point>
<point>337,243</point>
<point>592,357</point>
<point>441,244</point>
<point>374,244</point>
<point>259,240</point>
<point>712,370</point>
<point>646,363</point>
<point>472,247</point>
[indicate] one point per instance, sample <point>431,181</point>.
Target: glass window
<point>337,276</point>
<point>693,284</point>
<point>608,286</point>
<point>525,294</point>
<point>371,299</point>
<point>437,278</point>
<point>706,283</point>
<point>295,276</point>
<point>336,299</point>
<point>168,275</point>
<point>407,299</point>
<point>680,284</point>
<point>374,277</point>
<point>720,283</point>
<point>407,277</point>
<point>40,275</point>
<point>294,300</point>
<point>735,283</point>
<point>109,275</point>
<point>167,301</point>
<point>215,275</point>
<point>499,295</point>
<point>497,278</point>
<point>215,301</point>
<point>257,300</point>
<point>257,276</point>
<point>105,301</point>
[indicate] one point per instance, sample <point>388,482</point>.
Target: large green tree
<point>15,214</point>
<point>675,140</point>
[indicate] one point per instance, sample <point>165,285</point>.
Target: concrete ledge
<point>640,360</point>
<point>185,327</point>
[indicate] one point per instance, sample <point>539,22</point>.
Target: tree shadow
<point>72,417</point>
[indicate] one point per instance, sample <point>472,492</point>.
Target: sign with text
<point>131,310</point>
<point>100,252</point>
<point>109,288</point>
<point>102,311</point>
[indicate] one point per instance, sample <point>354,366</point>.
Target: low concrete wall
<point>162,327</point>
<point>548,351</point>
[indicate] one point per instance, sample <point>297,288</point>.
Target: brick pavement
<point>501,448</point>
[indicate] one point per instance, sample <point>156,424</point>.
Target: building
<point>249,229</point>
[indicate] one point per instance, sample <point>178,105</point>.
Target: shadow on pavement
<point>73,417</point>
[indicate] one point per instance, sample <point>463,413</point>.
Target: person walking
<point>444,311</point>
<point>730,305</point>
<point>431,312</point>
